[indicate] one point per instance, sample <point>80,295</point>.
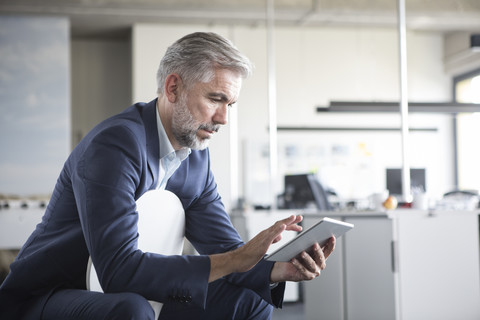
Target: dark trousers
<point>224,301</point>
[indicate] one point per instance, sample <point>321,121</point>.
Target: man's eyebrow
<point>220,95</point>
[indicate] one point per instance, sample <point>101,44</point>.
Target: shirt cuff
<point>273,285</point>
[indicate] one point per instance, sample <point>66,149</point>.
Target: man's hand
<point>306,266</point>
<point>247,256</point>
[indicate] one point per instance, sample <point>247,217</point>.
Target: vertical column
<point>406,192</point>
<point>272,101</point>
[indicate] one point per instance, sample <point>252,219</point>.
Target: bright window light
<point>475,90</point>
<point>468,90</point>
<point>468,131</point>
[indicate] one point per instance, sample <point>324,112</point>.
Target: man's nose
<point>221,115</point>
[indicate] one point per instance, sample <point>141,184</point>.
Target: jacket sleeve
<point>105,182</point>
<point>209,229</point>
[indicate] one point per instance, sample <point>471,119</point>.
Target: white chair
<point>161,229</point>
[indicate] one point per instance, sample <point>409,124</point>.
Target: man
<point>92,212</point>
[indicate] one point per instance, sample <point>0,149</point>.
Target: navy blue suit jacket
<point>92,211</point>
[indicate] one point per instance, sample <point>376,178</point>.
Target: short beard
<point>185,127</point>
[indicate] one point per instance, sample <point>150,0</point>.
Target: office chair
<point>462,199</point>
<point>320,195</point>
<point>161,229</point>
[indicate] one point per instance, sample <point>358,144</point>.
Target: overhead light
<point>381,107</point>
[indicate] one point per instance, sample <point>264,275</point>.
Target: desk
<point>404,264</point>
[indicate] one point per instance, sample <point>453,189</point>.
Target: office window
<point>467,90</point>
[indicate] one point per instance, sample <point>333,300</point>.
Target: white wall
<point>101,82</point>
<point>314,66</point>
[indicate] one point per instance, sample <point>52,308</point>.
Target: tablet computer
<point>319,232</point>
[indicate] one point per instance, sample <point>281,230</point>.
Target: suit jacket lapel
<point>153,149</point>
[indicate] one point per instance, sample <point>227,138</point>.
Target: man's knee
<point>133,307</point>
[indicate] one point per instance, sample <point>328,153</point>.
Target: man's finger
<point>293,225</point>
<point>304,272</point>
<point>329,247</point>
<point>278,238</point>
<point>308,262</point>
<point>318,256</point>
<point>289,223</point>
<point>273,234</point>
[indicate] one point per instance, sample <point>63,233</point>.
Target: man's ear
<point>173,84</point>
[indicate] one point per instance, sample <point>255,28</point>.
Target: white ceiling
<point>91,15</point>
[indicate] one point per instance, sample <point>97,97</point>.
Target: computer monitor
<point>304,191</point>
<point>394,180</point>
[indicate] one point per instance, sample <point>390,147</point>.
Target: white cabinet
<point>406,265</point>
<point>369,271</point>
<point>358,282</point>
<point>439,273</point>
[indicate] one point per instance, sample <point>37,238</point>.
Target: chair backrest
<point>161,229</point>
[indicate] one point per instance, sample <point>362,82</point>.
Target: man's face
<point>200,110</point>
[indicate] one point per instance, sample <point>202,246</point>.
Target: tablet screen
<point>319,232</point>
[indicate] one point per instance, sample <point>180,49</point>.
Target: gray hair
<point>196,56</point>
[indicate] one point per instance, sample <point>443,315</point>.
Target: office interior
<point>324,101</point>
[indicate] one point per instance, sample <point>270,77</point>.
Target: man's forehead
<point>224,86</point>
